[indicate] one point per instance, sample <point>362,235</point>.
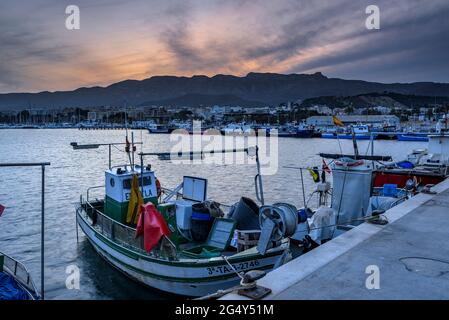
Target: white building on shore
<point>326,121</point>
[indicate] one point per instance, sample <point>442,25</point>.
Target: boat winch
<point>283,215</point>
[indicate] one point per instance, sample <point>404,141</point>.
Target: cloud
<point>140,38</point>
<point>397,51</point>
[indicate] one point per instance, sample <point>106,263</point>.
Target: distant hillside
<point>387,99</point>
<point>268,88</point>
<point>195,99</point>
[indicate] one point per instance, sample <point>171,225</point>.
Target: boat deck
<point>411,253</point>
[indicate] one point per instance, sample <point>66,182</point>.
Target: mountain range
<point>250,90</point>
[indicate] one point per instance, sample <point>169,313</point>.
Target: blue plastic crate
<point>390,190</point>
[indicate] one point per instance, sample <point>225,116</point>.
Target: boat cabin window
<point>127,182</point>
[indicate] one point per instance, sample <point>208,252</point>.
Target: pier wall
<point>411,253</point>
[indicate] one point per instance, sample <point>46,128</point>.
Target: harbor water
<point>73,171</point>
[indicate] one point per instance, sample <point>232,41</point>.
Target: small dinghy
<point>15,280</point>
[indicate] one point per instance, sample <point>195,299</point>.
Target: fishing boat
<point>16,282</point>
<point>420,168</point>
<point>423,137</point>
<point>304,131</point>
<point>361,132</point>
<point>286,131</point>
<point>237,129</point>
<point>188,259</point>
<point>385,132</point>
<point>158,128</point>
<point>354,198</point>
<point>345,201</point>
<point>344,136</point>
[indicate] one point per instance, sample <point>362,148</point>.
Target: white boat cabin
<point>438,150</point>
<point>118,182</point>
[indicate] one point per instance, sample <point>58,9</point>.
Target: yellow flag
<point>135,200</point>
<point>337,121</point>
<point>315,174</point>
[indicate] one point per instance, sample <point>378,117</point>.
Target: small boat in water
<point>385,132</point>
<point>421,167</point>
<point>344,136</point>
<point>413,137</point>
<point>159,128</point>
<point>15,280</point>
<point>304,131</point>
<point>286,131</point>
<point>193,255</point>
<point>237,129</point>
<point>361,132</point>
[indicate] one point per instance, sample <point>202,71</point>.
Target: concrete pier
<point>411,254</point>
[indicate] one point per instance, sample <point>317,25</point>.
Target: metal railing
<point>117,232</point>
<point>19,272</point>
<point>92,188</point>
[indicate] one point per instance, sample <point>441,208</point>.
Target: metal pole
<point>132,147</point>
<point>259,176</point>
<point>42,231</point>
<point>354,142</point>
<point>303,191</point>
<point>76,225</point>
<point>372,148</point>
<point>141,175</point>
<point>110,161</point>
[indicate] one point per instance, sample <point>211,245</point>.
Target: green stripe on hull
<point>116,247</point>
<point>174,279</point>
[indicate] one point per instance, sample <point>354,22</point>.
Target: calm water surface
<point>73,171</point>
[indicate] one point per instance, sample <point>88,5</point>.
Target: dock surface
<point>411,253</point>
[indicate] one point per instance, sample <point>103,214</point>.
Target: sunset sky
<point>138,39</point>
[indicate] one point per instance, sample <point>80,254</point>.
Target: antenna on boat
<point>354,143</point>
<point>129,148</point>
<point>133,150</point>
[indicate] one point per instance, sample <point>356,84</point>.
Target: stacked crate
<point>247,239</point>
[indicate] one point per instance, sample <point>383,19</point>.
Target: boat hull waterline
<point>346,136</point>
<point>406,137</point>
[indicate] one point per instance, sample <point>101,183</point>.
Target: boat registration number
<point>237,266</point>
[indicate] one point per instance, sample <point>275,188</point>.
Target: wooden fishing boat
<point>425,167</point>
<point>177,264</point>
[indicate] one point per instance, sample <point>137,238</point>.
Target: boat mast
<point>354,143</point>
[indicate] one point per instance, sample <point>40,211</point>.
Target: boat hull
<point>159,131</point>
<point>192,277</point>
<point>400,178</point>
<point>346,136</point>
<point>304,133</point>
<point>405,137</point>
<point>386,136</point>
